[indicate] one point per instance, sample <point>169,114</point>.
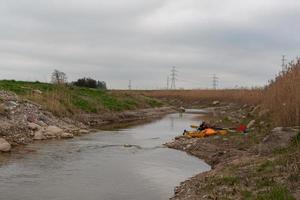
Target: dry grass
<point>57,101</point>
<point>281,96</point>
<point>242,96</point>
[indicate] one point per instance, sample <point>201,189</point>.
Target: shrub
<point>90,83</point>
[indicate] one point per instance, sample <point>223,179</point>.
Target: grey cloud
<point>119,40</point>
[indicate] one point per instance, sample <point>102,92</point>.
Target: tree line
<point>59,77</point>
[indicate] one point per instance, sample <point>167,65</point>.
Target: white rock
<point>250,124</point>
<point>39,135</point>
<point>37,92</point>
<point>216,102</point>
<point>277,129</point>
<point>66,135</point>
<point>4,145</point>
<point>83,131</point>
<point>34,126</point>
<point>53,131</point>
<point>11,105</point>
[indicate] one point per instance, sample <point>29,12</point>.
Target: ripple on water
<point>129,164</point>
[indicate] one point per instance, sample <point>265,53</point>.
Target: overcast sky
<point>121,40</point>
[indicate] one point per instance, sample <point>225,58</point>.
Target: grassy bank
<point>276,176</point>
<point>259,164</point>
<point>69,100</point>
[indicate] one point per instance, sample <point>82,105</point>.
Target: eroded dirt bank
<point>263,163</point>
<point>23,121</point>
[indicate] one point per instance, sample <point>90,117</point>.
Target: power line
<point>173,78</point>
<point>215,82</point>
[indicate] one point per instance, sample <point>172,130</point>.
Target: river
<point>123,164</point>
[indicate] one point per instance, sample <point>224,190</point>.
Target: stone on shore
<point>11,105</point>
<point>4,145</point>
<point>53,131</point>
<point>216,103</point>
<point>83,131</point>
<point>34,126</point>
<point>66,135</point>
<point>39,135</point>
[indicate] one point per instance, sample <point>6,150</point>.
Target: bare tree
<point>58,77</point>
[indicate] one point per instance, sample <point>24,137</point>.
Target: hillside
<point>70,100</point>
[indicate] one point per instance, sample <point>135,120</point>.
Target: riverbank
<point>260,164</point>
<point>22,121</point>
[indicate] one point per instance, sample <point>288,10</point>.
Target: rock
<point>83,131</point>
<point>277,129</point>
<point>4,145</point>
<point>53,131</point>
<point>33,126</point>
<point>8,96</point>
<point>39,135</point>
<point>215,103</point>
<point>31,117</point>
<point>66,135</point>
<point>43,118</point>
<point>250,124</point>
<point>37,92</point>
<point>41,123</point>
<point>127,145</point>
<point>11,105</point>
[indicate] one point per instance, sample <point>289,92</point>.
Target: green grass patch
<point>265,182</point>
<point>83,104</point>
<point>154,103</point>
<point>247,195</point>
<point>24,87</point>
<point>71,99</point>
<point>276,193</point>
<point>229,180</point>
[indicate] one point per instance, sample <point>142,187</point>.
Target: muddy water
<point>125,164</point>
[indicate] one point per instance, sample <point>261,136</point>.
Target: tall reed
<point>282,96</point>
